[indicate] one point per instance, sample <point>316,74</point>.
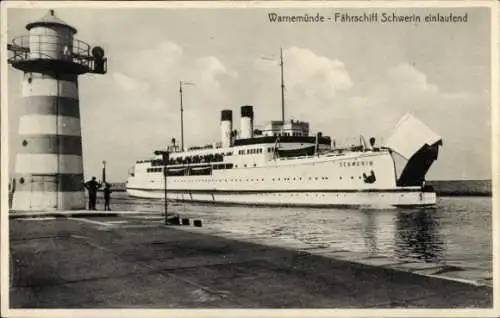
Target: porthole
<point>25,143</point>
<point>21,180</point>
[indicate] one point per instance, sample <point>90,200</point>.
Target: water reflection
<point>417,236</point>
<point>369,232</point>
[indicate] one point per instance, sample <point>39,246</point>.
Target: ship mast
<point>282,88</point>
<point>182,118</point>
<point>181,83</point>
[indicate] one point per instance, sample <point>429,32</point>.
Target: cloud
<point>312,84</point>
<point>134,109</point>
<point>410,80</point>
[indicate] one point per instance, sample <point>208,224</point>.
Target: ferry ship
<point>284,165</point>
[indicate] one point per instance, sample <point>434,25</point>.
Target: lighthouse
<point>48,172</point>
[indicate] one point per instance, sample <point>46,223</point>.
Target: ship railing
<point>187,165</point>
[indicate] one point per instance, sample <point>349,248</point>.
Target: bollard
<point>197,223</point>
<point>185,221</point>
<point>174,220</point>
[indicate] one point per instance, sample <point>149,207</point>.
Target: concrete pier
<point>128,261</point>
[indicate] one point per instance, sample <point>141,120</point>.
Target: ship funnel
<point>226,127</point>
<point>246,125</point>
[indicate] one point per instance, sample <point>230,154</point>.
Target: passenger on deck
<point>92,186</point>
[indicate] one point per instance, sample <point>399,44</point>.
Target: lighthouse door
<point>43,192</point>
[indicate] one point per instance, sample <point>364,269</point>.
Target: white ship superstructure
<point>283,165</point>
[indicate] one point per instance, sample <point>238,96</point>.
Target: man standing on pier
<point>107,196</point>
<point>92,186</point>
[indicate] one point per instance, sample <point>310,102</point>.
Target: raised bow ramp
<point>416,143</point>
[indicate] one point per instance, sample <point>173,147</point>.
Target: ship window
<point>254,165</point>
<point>352,177</point>
<point>316,178</point>
<point>340,177</point>
<point>371,163</point>
<point>245,165</point>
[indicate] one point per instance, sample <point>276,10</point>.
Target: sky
<point>346,79</point>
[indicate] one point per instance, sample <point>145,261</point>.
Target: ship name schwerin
<point>283,165</point>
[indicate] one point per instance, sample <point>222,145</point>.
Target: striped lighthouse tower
<point>49,167</point>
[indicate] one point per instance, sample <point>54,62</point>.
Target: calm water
<point>458,232</point>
